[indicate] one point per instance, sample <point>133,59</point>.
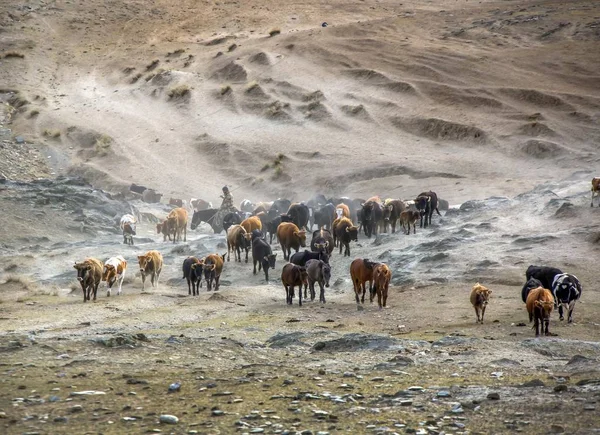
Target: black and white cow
<point>566,289</point>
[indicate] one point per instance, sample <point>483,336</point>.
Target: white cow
<point>114,271</point>
<point>128,222</point>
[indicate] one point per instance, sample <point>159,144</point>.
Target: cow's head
<point>82,270</point>
<point>129,229</point>
<point>421,204</point>
<point>353,233</point>
<point>483,294</point>
<point>197,268</point>
<point>303,274</point>
<point>271,260</point>
<point>195,220</point>
<point>109,274</point>
<point>387,212</point>
<point>145,262</point>
<point>321,247</point>
<point>367,211</point>
<point>257,234</point>
<point>326,268</point>
<point>545,307</point>
<point>301,236</point>
<point>159,227</point>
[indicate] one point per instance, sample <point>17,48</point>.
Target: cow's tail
<point>438,212</point>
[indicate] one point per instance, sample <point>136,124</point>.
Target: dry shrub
<point>225,90</point>
<point>53,134</point>
<point>34,113</point>
<point>180,92</point>
<point>14,54</point>
<point>265,167</point>
<point>274,32</point>
<point>128,70</point>
<point>102,145</point>
<point>232,47</point>
<point>135,78</point>
<point>152,65</point>
<point>252,86</point>
<point>25,282</point>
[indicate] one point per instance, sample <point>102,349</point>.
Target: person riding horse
<point>226,207</point>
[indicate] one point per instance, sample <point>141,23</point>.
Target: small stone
<point>53,399</point>
<point>257,430</point>
<point>322,371</point>
<point>493,396</point>
<point>377,379</point>
<point>168,419</point>
<point>560,388</point>
<point>589,407</point>
<point>60,419</point>
<point>444,393</point>
<point>76,408</point>
<point>174,387</point>
<point>287,382</point>
<point>415,388</point>
<point>555,428</point>
<point>19,139</point>
<point>217,412</point>
<point>406,402</point>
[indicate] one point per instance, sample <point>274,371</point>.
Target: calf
<point>382,275</point>
<point>300,258</point>
<point>322,240</point>
<point>407,218</point>
<point>361,271</point>
<point>127,225</point>
<point>212,267</point>
<point>530,285</point>
<point>114,271</point>
<point>163,228</point>
<point>189,273</point>
<point>595,189</point>
<point>480,297</point>
<point>425,204</point>
<point>177,223</point>
<point>89,275</point>
<point>150,264</point>
<point>293,276</point>
<point>345,232</point>
<point>320,272</point>
<point>392,211</point>
<point>290,237</point>
<point>237,239</point>
<point>566,289</point>
<point>539,306</point>
<point>263,255</point>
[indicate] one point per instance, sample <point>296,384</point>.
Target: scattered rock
<point>168,419</point>
<point>493,396</point>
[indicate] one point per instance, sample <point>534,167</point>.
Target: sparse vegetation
<point>53,134</point>
<point>265,167</point>
<point>274,32</point>
<point>154,74</point>
<point>25,282</point>
<point>13,54</point>
<point>34,113</point>
<point>232,47</point>
<point>152,65</point>
<point>225,89</point>
<point>180,91</point>
<point>102,145</point>
<point>135,78</point>
<point>177,52</point>
<point>17,101</point>
<point>128,70</point>
<point>252,86</point>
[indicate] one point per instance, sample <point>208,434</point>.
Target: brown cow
<point>292,276</point>
<point>212,267</point>
<point>392,211</point>
<point>382,275</point>
<point>480,297</point>
<point>177,223</point>
<point>409,217</point>
<point>345,210</point>
<point>361,271</point>
<point>346,232</point>
<point>252,223</point>
<point>290,236</point>
<point>163,228</point>
<point>89,275</point>
<point>595,189</point>
<point>539,306</point>
<point>176,202</point>
<point>150,264</point>
<point>237,239</point>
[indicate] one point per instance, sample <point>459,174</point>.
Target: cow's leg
<point>120,279</point>
<point>189,283</point>
<point>414,228</point>
<point>571,308</point>
<point>254,263</point>
<point>246,255</point>
<point>356,285</point>
<point>185,233</point>
<point>347,250</point>
<point>379,297</point>
<point>300,295</point>
<point>537,325</point>
<point>385,295</point>
<point>228,250</point>
<point>96,289</point>
<point>312,290</point>
<point>266,269</point>
<point>143,280</point>
<point>560,312</point>
<point>364,291</point>
<point>546,324</point>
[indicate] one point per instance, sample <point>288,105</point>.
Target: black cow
<point>544,274</point>
<point>324,216</point>
<point>322,240</point>
<point>274,223</point>
<point>233,218</point>
<point>207,216</point>
<point>566,290</point>
<point>426,203</point>
<point>263,255</point>
<point>257,234</point>
<point>300,215</point>
<point>300,258</point>
<point>189,273</point>
<point>371,217</point>
<point>320,272</point>
<point>530,285</point>
<point>137,188</point>
<point>281,205</point>
<point>346,232</point>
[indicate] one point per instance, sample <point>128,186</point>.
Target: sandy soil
<point>494,105</point>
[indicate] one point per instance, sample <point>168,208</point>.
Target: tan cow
<point>407,218</point>
<point>361,272</point>
<point>539,306</point>
<point>290,236</point>
<point>150,264</point>
<point>480,297</point>
<point>212,267</point>
<point>342,210</point>
<point>89,275</point>
<point>595,189</point>
<point>163,228</point>
<point>252,223</point>
<point>114,271</point>
<point>177,223</point>
<point>382,275</point>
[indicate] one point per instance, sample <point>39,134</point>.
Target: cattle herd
<point>248,229</point>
